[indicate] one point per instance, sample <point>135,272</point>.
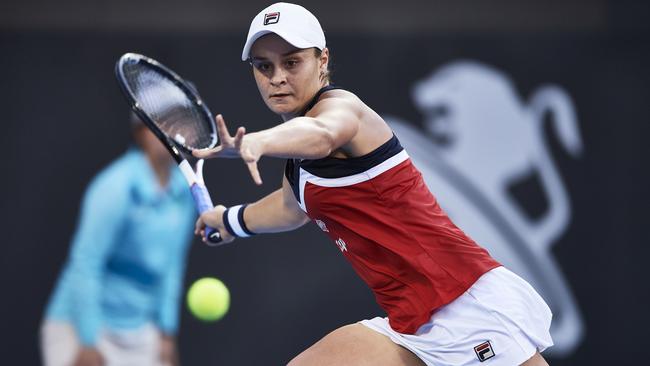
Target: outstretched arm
<point>277,212</point>
<point>332,123</point>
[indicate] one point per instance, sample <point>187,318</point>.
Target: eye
<point>291,63</point>
<point>262,66</point>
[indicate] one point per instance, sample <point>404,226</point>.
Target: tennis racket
<point>174,111</point>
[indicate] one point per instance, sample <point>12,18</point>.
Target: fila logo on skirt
<point>484,351</point>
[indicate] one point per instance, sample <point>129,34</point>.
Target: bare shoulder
<point>338,99</point>
<point>344,109</point>
<point>339,93</point>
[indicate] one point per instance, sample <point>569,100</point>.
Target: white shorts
<point>500,320</point>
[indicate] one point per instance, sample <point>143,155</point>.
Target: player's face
<point>287,77</point>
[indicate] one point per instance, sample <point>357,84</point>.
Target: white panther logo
<point>480,138</point>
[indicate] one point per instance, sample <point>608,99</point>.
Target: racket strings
<point>169,107</point>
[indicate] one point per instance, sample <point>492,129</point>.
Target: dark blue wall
<point>63,119</point>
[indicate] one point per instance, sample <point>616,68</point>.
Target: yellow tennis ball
<point>208,299</point>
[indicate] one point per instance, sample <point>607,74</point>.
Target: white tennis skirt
<point>500,320</point>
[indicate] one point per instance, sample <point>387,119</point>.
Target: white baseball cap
<point>292,22</point>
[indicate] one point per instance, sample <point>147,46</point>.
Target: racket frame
<point>191,167</point>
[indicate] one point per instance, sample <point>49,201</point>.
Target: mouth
<point>279,95</point>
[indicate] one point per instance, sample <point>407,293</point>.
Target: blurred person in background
<point>117,298</point>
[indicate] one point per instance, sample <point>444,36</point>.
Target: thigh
<point>59,344</point>
<point>536,360</point>
<point>356,345</point>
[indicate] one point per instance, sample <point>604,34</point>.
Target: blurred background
<point>529,120</point>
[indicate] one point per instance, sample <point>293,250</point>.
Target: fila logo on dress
<point>341,245</point>
<point>322,226</point>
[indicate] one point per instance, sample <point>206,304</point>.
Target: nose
<point>279,76</point>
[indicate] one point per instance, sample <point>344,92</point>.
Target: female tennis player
<point>448,302</point>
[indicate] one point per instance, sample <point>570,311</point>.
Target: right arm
<point>102,213</point>
<point>276,212</point>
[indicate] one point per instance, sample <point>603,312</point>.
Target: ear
<point>324,59</point>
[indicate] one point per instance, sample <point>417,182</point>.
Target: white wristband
<point>233,220</point>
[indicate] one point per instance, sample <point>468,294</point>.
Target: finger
<point>222,130</point>
<point>255,173</point>
<point>208,153</point>
<point>198,226</point>
<point>239,137</point>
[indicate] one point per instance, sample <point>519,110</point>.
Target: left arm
<point>169,293</point>
<point>332,123</point>
<point>170,287</point>
<point>167,317</point>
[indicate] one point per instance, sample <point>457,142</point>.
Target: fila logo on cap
<point>484,351</point>
<point>271,18</point>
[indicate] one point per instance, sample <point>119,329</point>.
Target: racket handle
<point>203,204</point>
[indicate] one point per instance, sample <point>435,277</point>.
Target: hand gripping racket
<point>174,111</point>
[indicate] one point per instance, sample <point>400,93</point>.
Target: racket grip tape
<point>203,204</point>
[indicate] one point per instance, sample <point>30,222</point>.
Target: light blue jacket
<point>128,254</point>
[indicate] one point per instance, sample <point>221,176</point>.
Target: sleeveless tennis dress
<point>447,300</point>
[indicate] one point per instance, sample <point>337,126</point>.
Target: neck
<point>288,116</point>
<point>160,168</point>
